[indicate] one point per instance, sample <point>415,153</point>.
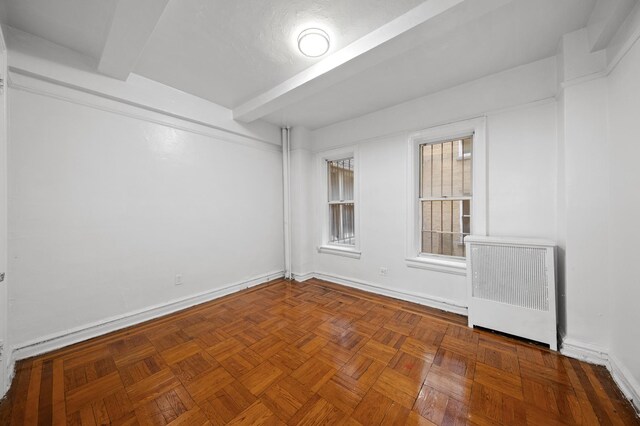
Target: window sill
<point>455,267</point>
<point>340,251</point>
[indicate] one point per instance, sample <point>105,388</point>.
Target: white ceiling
<point>519,33</point>
<point>81,25</point>
<point>229,52</point>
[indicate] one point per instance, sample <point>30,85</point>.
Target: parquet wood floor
<point>310,353</point>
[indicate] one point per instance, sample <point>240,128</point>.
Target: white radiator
<point>512,286</point>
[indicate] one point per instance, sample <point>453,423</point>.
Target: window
<point>445,196</point>
<point>341,204</point>
<point>338,202</point>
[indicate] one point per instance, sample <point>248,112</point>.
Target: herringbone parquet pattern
<point>310,353</point>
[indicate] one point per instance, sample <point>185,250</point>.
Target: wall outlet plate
<point>178,280</point>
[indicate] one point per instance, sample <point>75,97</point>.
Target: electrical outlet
<point>178,279</point>
<point>383,271</point>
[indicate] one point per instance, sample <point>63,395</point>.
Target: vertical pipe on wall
<point>286,185</point>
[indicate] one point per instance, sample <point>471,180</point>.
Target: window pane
<point>458,169</point>
<point>426,170</point>
<point>347,182</point>
<point>466,217</point>
<point>436,216</point>
<point>447,168</point>
<point>426,215</point>
<point>447,219</point>
<point>426,242</point>
<point>436,175</point>
<point>340,196</point>
<point>444,226</point>
<point>447,244</point>
<point>456,212</point>
<point>334,183</point>
<point>466,154</point>
<point>342,223</point>
<point>340,179</point>
<point>445,177</point>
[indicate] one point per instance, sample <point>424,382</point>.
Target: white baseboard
<point>10,371</point>
<point>98,328</point>
<point>433,302</point>
<point>600,356</point>
<point>7,370</point>
<point>625,381</point>
<point>584,351</point>
<point>301,277</point>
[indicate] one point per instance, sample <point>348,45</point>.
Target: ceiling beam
<point>335,67</point>
<point>131,27</point>
<point>381,44</point>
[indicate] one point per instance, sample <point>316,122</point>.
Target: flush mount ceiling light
<point>313,42</point>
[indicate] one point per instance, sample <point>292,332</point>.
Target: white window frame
<point>477,128</point>
<point>324,246</point>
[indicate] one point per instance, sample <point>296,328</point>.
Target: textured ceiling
<point>522,32</point>
<point>229,51</point>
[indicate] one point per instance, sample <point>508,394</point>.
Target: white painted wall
<point>624,211</point>
<point>597,113</point>
<point>514,87</point>
<point>521,123</point>
<point>107,203</point>
<point>586,175</point>
<point>522,172</point>
<point>301,201</point>
<point>4,343</point>
<point>119,187</point>
<point>32,55</point>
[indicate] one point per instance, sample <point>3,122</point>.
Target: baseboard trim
<point>625,381</point>
<point>9,371</point>
<point>584,351</point>
<point>599,356</point>
<point>301,277</point>
<point>98,328</point>
<point>433,302</point>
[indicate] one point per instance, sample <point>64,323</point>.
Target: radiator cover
<point>512,286</point>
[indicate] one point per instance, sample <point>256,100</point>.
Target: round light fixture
<point>313,42</point>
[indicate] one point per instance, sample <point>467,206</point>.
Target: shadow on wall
<point>562,294</point>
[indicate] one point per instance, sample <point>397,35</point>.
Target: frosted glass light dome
<point>313,42</point>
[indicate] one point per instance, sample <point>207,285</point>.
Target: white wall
<point>31,55</point>
<point>586,175</point>
<point>107,203</point>
<point>624,211</point>
<point>522,172</point>
<point>301,201</point>
<point>598,109</point>
<point>600,112</point>
<point>4,343</point>
<point>583,176</point>
<point>521,143</point>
